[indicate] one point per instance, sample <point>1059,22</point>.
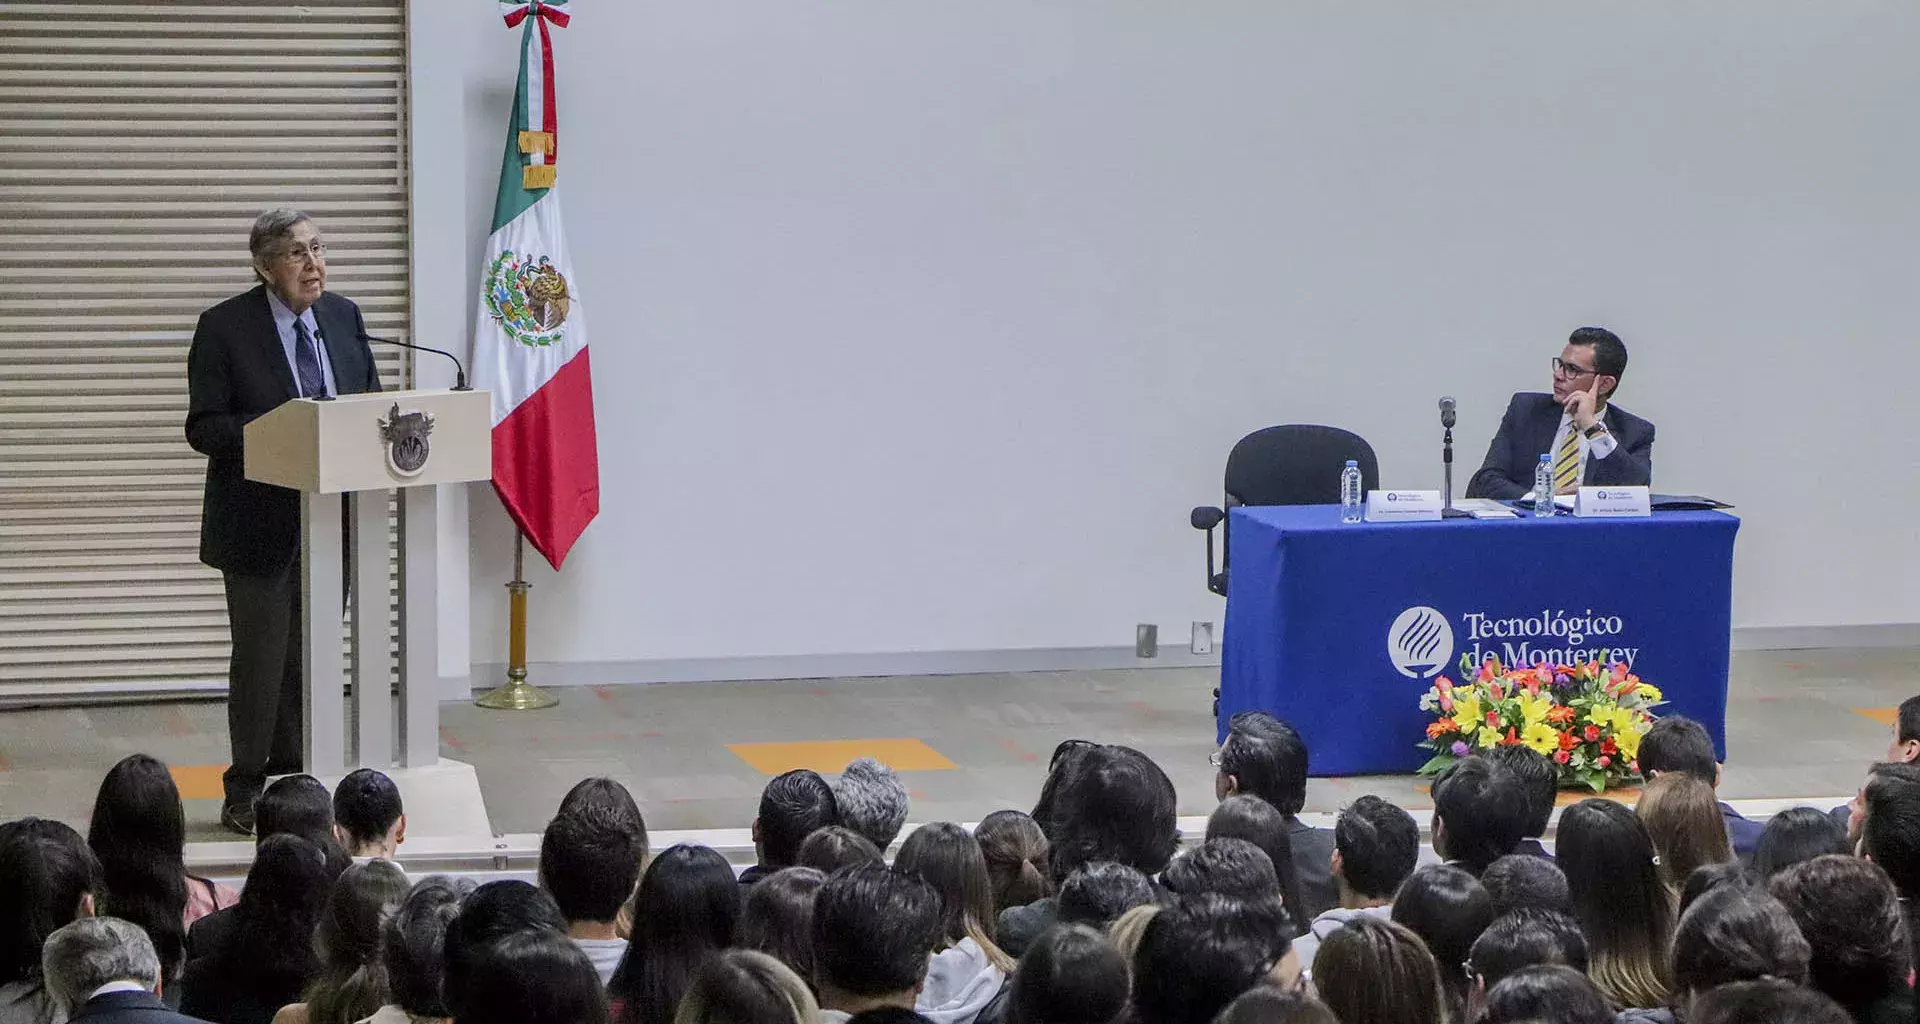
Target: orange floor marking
<point>830,756</point>
<point>1885,716</point>
<point>199,781</point>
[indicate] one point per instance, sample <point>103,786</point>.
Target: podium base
<point>516,696</point>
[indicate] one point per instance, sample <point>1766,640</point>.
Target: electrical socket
<point>1202,642</point>
<point>1146,640</point>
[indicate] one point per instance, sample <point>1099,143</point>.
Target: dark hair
<point>944,856</point>
<point>1234,868</point>
<point>1016,853</point>
<point>1071,975</point>
<point>280,906</point>
<point>1527,938</point>
<point>46,870</point>
<point>1113,804</point>
<point>1546,995</point>
<point>742,986</point>
<point>296,805</point>
<point>1197,956</point>
<point>413,944</point>
<point>1794,835</point>
<point>532,977</point>
<point>1708,877</point>
<point>1448,908</point>
<point>139,834</point>
<point>493,912</point>
<point>776,918</point>
<point>1378,843</point>
<point>1372,971</point>
<point>1850,915</point>
<point>1265,1004</point>
<point>1736,933</point>
<point>1266,758</point>
<point>1538,779</point>
<point>366,804</point>
<point>1618,898</point>
<point>873,930</point>
<point>353,978</point>
<point>1522,881</point>
<point>829,849</point>
<point>1765,1002</point>
<point>1245,816</point>
<point>1060,768</point>
<point>792,806</point>
<point>1891,835</point>
<point>1482,810</point>
<point>1098,893</point>
<point>591,851</point>
<point>1679,744</point>
<point>1609,352</point>
<point>1907,725</point>
<point>687,908</point>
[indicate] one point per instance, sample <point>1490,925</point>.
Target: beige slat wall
<point>137,143</point>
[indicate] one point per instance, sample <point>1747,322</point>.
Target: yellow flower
<point>1541,737</point>
<point>1466,712</point>
<point>1601,713</point>
<point>1647,692</point>
<point>1629,742</point>
<point>1534,708</point>
<point>1487,739</point>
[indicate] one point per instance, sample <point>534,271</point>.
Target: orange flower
<point>1512,738</point>
<point>1567,742</point>
<point>1493,719</point>
<point>1562,715</point>
<point>1435,730</point>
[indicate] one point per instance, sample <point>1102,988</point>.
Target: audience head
<point>83,956</point>
<point>48,877</point>
<point>829,849</point>
<point>1890,837</point>
<point>1905,745</point>
<point>532,977</point>
<point>1372,971</point>
<point>1234,868</point>
<point>353,979</point>
<point>1736,933</point>
<point>1526,938</point>
<point>1765,1002</point>
<point>1850,915</point>
<point>1375,847</point>
<point>1546,995</point>
<point>873,930</point>
<point>791,807</point>
<point>368,820</point>
<point>591,851</point>
<point>944,856</point>
<point>139,834</point>
<point>1016,853</point>
<point>1684,820</point>
<point>1448,908</point>
<point>296,805</point>
<point>1196,957</point>
<point>741,986</point>
<point>1794,835</point>
<point>872,801</point>
<point>1619,899</point>
<point>686,910</point>
<point>1896,772</point>
<point>1097,894</point>
<point>1269,1005</point>
<point>1258,822</point>
<point>1061,767</point>
<point>1522,881</point>
<point>492,913</point>
<point>776,918</point>
<point>1480,813</point>
<point>1707,878</point>
<point>1679,745</point>
<point>1071,975</point>
<point>1538,779</point>
<point>1114,804</point>
<point>1264,757</point>
<point>414,941</point>
<point>1130,928</point>
<point>280,907</point>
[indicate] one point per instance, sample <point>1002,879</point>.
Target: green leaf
<point>1437,764</point>
<point>1595,779</point>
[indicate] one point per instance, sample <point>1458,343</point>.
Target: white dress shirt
<point>283,319</point>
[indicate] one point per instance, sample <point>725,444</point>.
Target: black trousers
<point>264,702</point>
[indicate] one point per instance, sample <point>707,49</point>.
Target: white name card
<point>1613,502</point>
<point>1402,506</point>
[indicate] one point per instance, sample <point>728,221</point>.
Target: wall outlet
<point>1146,640</point>
<point>1202,638</point>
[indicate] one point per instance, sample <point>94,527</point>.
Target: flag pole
<point>517,694</point>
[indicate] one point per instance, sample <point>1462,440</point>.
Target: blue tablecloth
<point>1339,628</point>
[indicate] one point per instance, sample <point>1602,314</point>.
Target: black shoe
<point>237,818</point>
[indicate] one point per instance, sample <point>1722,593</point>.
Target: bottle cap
<point>1544,457</point>
<point>1352,462</point>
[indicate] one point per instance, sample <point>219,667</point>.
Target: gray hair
<point>872,801</point>
<point>95,951</point>
<point>270,229</point>
<point>414,943</point>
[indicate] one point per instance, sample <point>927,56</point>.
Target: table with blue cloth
<point>1339,628</point>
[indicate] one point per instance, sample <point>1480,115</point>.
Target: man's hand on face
<point>1584,406</point>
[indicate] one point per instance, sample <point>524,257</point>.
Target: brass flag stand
<point>517,694</point>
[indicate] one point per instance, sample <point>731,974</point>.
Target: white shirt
<point>117,986</point>
<point>283,319</point>
<point>1590,447</point>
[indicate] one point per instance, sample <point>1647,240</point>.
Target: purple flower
<point>1459,748</point>
<point>1562,680</point>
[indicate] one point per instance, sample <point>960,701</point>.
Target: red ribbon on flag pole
<point>544,11</point>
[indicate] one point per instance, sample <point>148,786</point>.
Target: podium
<point>362,447</point>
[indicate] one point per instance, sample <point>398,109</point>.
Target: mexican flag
<point>530,338</point>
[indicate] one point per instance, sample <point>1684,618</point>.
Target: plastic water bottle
<point>1350,495</point>
<point>1543,486</point>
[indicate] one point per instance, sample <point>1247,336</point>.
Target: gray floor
<point>1794,729</point>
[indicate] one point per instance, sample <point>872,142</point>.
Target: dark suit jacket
<point>237,370</point>
<point>1742,832</point>
<point>129,1008</point>
<point>1313,866</point>
<point>1526,432</point>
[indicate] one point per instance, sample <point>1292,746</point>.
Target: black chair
<point>1295,464</point>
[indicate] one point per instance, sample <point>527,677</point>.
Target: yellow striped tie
<point>1566,465</point>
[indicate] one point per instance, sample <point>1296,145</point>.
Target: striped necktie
<point>306,362</point>
<point>1566,465</point>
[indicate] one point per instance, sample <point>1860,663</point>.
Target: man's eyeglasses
<point>316,251</point>
<point>1562,368</point>
<point>1217,759</point>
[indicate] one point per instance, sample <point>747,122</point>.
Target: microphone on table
<point>1447,417</point>
<point>459,371</point>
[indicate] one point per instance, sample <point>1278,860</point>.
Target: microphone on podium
<point>459,371</point>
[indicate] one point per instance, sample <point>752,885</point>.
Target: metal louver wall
<point>141,140</point>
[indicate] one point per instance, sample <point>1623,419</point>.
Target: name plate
<point>1402,506</point>
<point>1613,502</point>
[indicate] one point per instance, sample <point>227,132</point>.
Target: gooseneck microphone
<point>459,371</point>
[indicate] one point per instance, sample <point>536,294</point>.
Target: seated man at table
<point>1592,441</point>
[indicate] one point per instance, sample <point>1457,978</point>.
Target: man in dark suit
<point>1591,441</point>
<point>102,970</point>
<point>1265,757</point>
<point>288,338</point>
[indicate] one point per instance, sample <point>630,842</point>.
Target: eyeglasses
<point>1217,759</point>
<point>1562,368</point>
<point>297,254</point>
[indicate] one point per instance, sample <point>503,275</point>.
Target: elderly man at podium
<point>287,338</point>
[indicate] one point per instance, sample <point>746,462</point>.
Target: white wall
<point>919,327</point>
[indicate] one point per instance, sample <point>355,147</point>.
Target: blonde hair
<point>1131,927</point>
<point>740,986</point>
<point>1683,817</point>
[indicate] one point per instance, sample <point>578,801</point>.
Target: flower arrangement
<point>1588,719</point>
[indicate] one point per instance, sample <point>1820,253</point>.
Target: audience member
<point>686,910</point>
<point>1131,927</point>
<point>776,918</point>
<point>1061,767</point>
<point>1375,848</point>
<point>1097,894</point>
<point>1546,995</point>
<point>368,819</point>
<point>1016,853</point>
<point>1197,956</point>
<point>296,805</point>
<point>1269,1005</point>
<point>48,878</point>
<point>872,801</point>
<point>1686,826</point>
<point>1480,813</point>
<point>1248,817</point>
<point>1521,881</point>
<point>103,970</point>
<point>872,929</point>
<point>1618,898</point>
<point>266,959</point>
<point>1373,971</point>
<point>1897,771</point>
<point>829,849</point>
<point>1680,744</point>
<point>792,807</point>
<point>968,968</point>
<point>492,913</point>
<point>590,859</point>
<point>1705,879</point>
<point>740,986</point>
<point>353,982</point>
<point>1890,837</point>
<point>1523,938</point>
<point>1765,1002</point>
<point>1234,868</point>
<point>413,947</point>
<point>1540,781</point>
<point>1733,933</point>
<point>1448,908</point>
<point>1794,835</point>
<point>537,976</point>
<point>1263,756</point>
<point>1073,975</point>
<point>1850,914</point>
